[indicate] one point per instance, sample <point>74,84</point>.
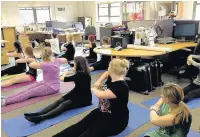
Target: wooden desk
<point>77,37</point>
<point>40,35</point>
<point>144,53</point>
<point>62,38</point>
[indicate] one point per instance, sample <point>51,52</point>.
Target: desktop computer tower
<point>120,41</point>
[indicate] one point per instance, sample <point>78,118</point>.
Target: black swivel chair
<point>88,31</point>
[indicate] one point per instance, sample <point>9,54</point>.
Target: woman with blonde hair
<point>50,83</point>
<point>30,75</point>
<point>103,63</point>
<point>112,115</point>
<point>170,114</point>
<point>68,48</point>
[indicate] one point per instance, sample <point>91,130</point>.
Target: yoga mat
<point>63,67</point>
<point>97,71</point>
<point>192,104</point>
<point>17,86</point>
<point>92,73</point>
<point>20,127</point>
<point>190,134</point>
<point>65,87</point>
<point>137,117</point>
<point>9,76</point>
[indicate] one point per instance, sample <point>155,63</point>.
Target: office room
<point>100,68</point>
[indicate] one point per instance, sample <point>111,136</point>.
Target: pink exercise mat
<point>17,86</point>
<point>65,87</point>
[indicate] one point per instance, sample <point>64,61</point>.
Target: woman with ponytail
<point>50,84</point>
<point>30,75</point>
<point>79,96</point>
<point>19,67</point>
<point>170,114</point>
<point>112,115</point>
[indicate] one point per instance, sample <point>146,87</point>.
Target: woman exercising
<point>19,67</point>
<point>170,114</point>
<point>92,58</point>
<point>49,85</point>
<point>104,62</point>
<point>78,97</point>
<point>30,75</point>
<point>193,90</point>
<point>112,115</point>
<point>68,48</point>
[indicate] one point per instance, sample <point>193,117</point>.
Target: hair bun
<point>124,63</point>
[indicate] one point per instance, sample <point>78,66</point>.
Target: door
<point>88,22</point>
<point>9,35</point>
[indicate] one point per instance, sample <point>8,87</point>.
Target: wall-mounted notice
<point>64,13</point>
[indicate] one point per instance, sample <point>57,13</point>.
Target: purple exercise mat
<point>17,86</point>
<point>65,87</point>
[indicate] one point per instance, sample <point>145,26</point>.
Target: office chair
<point>190,71</point>
<point>89,30</point>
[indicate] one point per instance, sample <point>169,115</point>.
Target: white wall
<point>188,9</point>
<point>80,8</point>
<point>89,9</point>
<point>11,17</point>
<point>9,13</point>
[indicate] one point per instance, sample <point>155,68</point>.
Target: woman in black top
<point>68,48</point>
<point>18,68</point>
<point>104,62</point>
<point>92,58</point>
<point>80,96</point>
<point>112,115</point>
<point>30,75</point>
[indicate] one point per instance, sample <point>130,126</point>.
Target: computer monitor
<point>185,29</point>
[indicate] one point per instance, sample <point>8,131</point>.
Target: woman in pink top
<point>49,85</point>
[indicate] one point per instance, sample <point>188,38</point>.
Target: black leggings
<point>12,70</point>
<point>95,124</point>
<point>190,92</point>
<point>67,57</point>
<point>100,65</point>
<point>59,107</point>
<point>91,60</point>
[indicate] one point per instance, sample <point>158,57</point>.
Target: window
<point>42,15</point>
<point>26,16</point>
<point>34,15</point>
<point>197,16</point>
<point>115,9</point>
<point>108,12</point>
<point>197,10</point>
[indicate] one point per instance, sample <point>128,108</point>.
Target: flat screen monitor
<point>186,29</point>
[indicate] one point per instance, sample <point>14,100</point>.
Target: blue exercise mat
<point>190,134</point>
<point>192,104</point>
<point>17,130</point>
<point>64,66</point>
<point>97,71</point>
<point>137,117</point>
<point>20,127</point>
